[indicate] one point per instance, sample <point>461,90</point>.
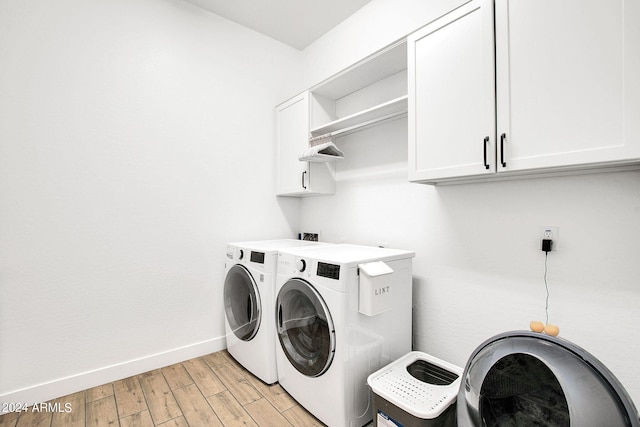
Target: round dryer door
<point>305,328</point>
<point>529,379</point>
<point>242,302</point>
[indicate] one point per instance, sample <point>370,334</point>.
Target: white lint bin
<point>415,390</point>
<point>376,289</point>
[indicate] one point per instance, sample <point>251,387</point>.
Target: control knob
<point>301,265</point>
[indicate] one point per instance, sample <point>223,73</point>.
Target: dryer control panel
<point>330,271</point>
<point>257,257</point>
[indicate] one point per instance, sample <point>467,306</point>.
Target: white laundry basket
<point>417,390</point>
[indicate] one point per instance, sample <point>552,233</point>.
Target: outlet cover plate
<point>550,232</point>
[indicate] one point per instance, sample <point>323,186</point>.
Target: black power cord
<point>546,247</point>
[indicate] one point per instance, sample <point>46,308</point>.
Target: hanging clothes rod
<point>394,108</point>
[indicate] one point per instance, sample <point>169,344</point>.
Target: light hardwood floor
<point>209,391</point>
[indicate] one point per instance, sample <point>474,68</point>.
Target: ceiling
<point>297,23</point>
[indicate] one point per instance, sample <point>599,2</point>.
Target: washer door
<point>305,328</point>
<point>527,379</point>
<point>242,303</point>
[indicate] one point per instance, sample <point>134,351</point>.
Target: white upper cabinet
<point>296,178</point>
<point>451,95</point>
<point>368,93</point>
<point>568,82</point>
<point>567,89</point>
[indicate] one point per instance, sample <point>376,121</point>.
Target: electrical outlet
<point>551,233</point>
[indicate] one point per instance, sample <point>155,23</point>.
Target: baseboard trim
<point>74,383</point>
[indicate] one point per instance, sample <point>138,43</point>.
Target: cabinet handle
<point>303,174</point>
<point>502,137</point>
<point>486,141</point>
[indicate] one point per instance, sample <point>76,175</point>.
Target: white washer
<point>326,347</point>
<point>249,296</point>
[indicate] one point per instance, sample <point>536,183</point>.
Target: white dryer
<point>326,346</point>
<point>249,296</point>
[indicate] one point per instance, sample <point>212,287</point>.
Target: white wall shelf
<point>370,92</point>
<point>387,110</point>
<point>370,70</point>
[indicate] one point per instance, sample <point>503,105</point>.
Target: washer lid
<point>526,378</point>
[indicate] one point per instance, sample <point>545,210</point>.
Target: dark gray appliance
<point>524,379</point>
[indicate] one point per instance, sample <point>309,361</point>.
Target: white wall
<point>135,142</point>
<point>479,269</point>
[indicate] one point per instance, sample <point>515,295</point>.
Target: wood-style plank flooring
<point>208,391</point>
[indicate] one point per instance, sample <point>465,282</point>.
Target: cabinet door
<point>296,178</point>
<point>292,137</point>
<point>452,95</point>
<point>568,82</point>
